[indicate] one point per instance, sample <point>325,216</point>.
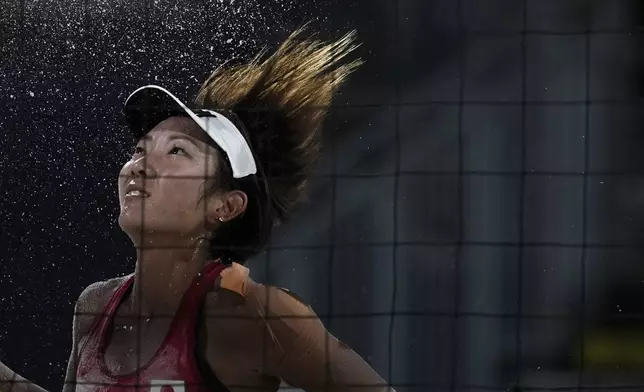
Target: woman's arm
<point>304,354</point>
<point>315,360</point>
<point>11,381</point>
<point>268,334</point>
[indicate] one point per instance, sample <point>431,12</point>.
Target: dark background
<point>476,222</point>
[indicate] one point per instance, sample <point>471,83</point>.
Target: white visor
<point>149,105</point>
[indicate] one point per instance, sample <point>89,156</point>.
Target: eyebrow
<point>187,138</point>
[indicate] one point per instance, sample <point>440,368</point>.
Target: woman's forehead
<point>183,125</point>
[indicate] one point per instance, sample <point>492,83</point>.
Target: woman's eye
<point>138,150</point>
<point>178,150</point>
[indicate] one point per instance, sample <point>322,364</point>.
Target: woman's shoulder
<point>253,321</point>
<point>236,288</point>
<point>91,302</point>
<point>97,294</point>
<point>277,301</point>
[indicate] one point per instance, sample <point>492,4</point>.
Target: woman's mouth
<point>136,193</point>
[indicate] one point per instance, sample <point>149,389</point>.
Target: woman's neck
<point>161,278</point>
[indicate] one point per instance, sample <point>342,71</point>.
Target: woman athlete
<point>199,196</point>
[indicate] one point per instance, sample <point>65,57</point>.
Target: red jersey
<point>173,368</point>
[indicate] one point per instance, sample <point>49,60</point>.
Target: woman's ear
<point>226,206</point>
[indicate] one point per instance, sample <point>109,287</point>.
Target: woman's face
<point>161,188</point>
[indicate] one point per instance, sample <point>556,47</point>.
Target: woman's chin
<point>133,224</point>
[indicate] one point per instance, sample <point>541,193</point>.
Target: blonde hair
<point>281,102</point>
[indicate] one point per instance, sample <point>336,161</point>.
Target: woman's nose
<point>143,167</point>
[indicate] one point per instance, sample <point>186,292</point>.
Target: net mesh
<point>462,242</point>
